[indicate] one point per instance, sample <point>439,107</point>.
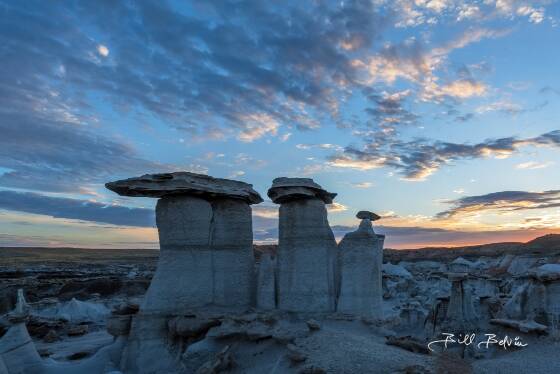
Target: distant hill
<point>550,241</point>
<point>548,244</point>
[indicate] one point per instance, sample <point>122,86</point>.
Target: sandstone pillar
<point>206,258</point>
<point>306,257</point>
<point>205,236</point>
<point>460,312</point>
<point>360,258</point>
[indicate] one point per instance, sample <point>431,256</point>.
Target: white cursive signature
<point>469,339</point>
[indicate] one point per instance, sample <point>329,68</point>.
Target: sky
<point>441,116</point>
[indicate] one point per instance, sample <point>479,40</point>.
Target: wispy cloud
<point>503,201</point>
<point>362,185</point>
<point>60,207</point>
<point>411,61</point>
<point>418,159</point>
<point>336,208</point>
<point>534,165</point>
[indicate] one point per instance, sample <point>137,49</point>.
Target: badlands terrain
<point>71,293</point>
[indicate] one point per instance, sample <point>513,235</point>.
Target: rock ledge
<point>184,183</point>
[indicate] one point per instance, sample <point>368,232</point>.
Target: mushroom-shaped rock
<point>364,214</point>
<point>205,235</point>
<point>285,189</point>
<point>460,265</point>
<point>306,257</point>
<point>185,183</point>
<point>206,259</point>
<point>360,256</point>
<point>460,312</point>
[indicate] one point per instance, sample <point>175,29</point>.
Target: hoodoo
<point>360,260</point>
<point>306,258</point>
<point>206,259</point>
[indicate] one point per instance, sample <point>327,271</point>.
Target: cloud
<point>60,207</point>
<point>320,146</point>
<point>265,220</point>
<point>418,159</point>
<point>507,107</point>
<point>256,126</point>
<point>224,69</point>
<point>417,237</point>
<point>50,154</point>
<point>266,210</point>
<point>236,174</point>
<point>464,89</point>
<point>336,208</point>
<point>535,15</point>
<point>355,159</point>
<point>464,117</point>
<point>531,165</point>
<point>413,13</point>
<point>362,185</point>
<point>503,201</point>
<point>548,89</point>
<point>389,109</point>
<point>411,61</point>
<point>468,11</point>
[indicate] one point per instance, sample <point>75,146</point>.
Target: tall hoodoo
<point>206,259</point>
<point>205,236</point>
<point>360,259</point>
<point>306,258</point>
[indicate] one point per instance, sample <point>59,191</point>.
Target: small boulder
<point>313,325</point>
<point>295,355</point>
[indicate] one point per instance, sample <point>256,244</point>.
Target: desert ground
<point>71,292</point>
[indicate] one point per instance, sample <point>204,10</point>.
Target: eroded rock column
<point>306,257</point>
<point>205,236</point>
<point>360,258</point>
<point>206,257</point>
<point>460,312</point>
<point>206,254</point>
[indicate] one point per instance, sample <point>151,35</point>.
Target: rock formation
<point>360,259</point>
<point>206,258</point>
<point>461,314</point>
<point>205,236</point>
<point>17,351</point>
<point>549,277</point>
<point>306,257</point>
<point>266,296</point>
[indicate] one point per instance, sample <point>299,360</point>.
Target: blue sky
<point>440,115</point>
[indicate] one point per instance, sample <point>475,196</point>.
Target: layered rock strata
<point>360,260</point>
<point>266,295</point>
<point>306,257</point>
<point>205,237</point>
<point>206,257</point>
